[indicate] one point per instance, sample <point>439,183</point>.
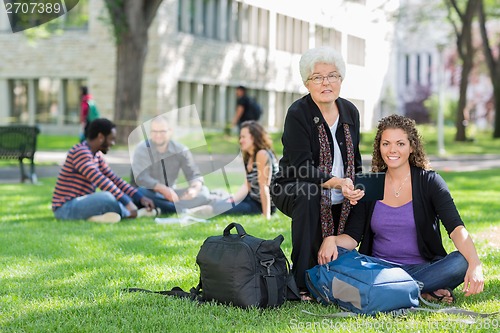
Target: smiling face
<point>395,148</point>
<point>325,92</point>
<point>107,141</point>
<point>246,140</point>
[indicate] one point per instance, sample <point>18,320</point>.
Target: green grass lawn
<point>223,144</point>
<point>68,276</point>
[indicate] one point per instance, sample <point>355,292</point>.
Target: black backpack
<point>240,270</point>
<point>245,271</point>
<point>254,110</point>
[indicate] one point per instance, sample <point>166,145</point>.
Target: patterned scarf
<point>325,165</point>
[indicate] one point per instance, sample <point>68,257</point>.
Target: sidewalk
<point>119,161</point>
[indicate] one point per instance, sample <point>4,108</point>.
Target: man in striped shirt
<point>84,171</point>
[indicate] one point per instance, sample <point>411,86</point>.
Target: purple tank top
<point>395,234</point>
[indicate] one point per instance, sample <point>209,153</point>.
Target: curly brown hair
<point>417,157</point>
<point>261,139</point>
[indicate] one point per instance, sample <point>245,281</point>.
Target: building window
<point>215,104</point>
<point>47,101</point>
<point>292,35</point>
<point>19,97</point>
<point>72,96</point>
<point>355,50</point>
<point>55,101</point>
<point>263,28</point>
<point>226,20</point>
<point>328,37</point>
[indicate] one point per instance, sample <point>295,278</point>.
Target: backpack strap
<point>450,310</point>
<point>194,293</point>
<point>271,283</point>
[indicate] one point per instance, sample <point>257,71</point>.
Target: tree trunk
<point>130,57</point>
<point>496,94</point>
<point>131,20</point>
<point>460,135</point>
<point>493,67</point>
<point>466,52</point>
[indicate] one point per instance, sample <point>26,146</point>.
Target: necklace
<point>398,192</point>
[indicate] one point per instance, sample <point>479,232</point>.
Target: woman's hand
<point>328,250</point>
<point>350,193</point>
<point>474,280</point>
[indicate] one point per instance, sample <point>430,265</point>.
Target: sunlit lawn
<point>224,144</point>
<point>68,276</point>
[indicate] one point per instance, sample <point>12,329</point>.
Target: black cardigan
<point>431,201</point>
<point>301,140</point>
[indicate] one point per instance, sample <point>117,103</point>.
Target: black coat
<point>301,147</point>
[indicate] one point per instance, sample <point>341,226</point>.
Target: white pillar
<point>272,30</point>
<point>184,11</point>
<point>5,102</point>
<point>271,110</point>
<point>222,24</point>
<point>222,107</point>
<point>198,17</point>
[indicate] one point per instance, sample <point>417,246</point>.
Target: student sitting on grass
<point>83,171</point>
<point>404,227</point>
<point>261,166</point>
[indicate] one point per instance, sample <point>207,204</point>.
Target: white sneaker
<point>109,217</point>
<point>144,212</point>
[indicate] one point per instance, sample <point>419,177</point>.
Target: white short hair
<point>317,55</point>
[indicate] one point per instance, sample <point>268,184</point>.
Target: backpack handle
<point>239,229</point>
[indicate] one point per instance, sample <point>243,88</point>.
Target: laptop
<point>372,183</point>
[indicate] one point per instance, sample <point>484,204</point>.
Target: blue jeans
<point>247,206</point>
<point>446,272</point>
<point>168,206</point>
<point>82,208</point>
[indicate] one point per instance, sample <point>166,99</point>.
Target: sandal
<point>440,298</point>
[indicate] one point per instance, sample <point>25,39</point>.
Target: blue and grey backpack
<point>360,284</point>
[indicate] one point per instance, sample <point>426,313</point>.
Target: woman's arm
<point>474,280</point>
<point>241,193</point>
<point>264,178</point>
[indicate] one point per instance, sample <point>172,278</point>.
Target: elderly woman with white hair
<point>320,157</point>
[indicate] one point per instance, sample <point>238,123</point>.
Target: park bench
<point>19,142</point>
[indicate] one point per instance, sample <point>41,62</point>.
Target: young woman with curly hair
<point>404,228</point>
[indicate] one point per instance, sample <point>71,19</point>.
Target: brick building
<point>199,52</point>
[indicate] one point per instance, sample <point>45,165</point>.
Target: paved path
<point>49,163</point>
